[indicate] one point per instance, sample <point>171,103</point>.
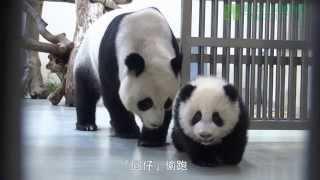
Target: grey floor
<point>53,149</point>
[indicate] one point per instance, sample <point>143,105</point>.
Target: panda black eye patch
<point>145,104</point>
<point>217,119</point>
<point>196,118</point>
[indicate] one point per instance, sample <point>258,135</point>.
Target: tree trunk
<point>86,13</point>
<point>34,85</point>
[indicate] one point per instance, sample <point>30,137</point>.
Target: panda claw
<point>86,127</point>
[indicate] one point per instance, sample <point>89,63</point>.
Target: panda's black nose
<point>205,135</point>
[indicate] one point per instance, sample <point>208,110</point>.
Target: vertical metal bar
<point>265,66</point>
<point>226,35</point>
<point>202,15</point>
<point>259,80</point>
<point>259,66</point>
<point>237,50</point>
<point>224,50</point>
<point>310,55</point>
<point>185,39</point>
<point>214,31</point>
<point>247,99</point>
<point>240,50</point>
<point>304,66</point>
<point>291,87</point>
<point>271,73</point>
<point>279,30</point>
<point>283,54</point>
<point>253,72</point>
<point>294,52</point>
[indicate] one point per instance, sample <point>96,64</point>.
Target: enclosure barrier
<point>261,46</point>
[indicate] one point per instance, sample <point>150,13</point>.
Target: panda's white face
<point>149,96</point>
<point>209,114</point>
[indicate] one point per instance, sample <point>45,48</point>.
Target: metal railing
<point>261,46</point>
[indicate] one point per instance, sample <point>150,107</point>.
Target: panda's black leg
<point>232,154</point>
<point>122,121</point>
<point>155,137</point>
<point>177,139</point>
<point>87,95</point>
<point>202,157</point>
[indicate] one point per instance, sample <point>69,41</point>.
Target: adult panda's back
<point>88,52</point>
<point>125,29</point>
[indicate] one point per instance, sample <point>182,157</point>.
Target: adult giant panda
<point>211,122</point>
<point>132,59</point>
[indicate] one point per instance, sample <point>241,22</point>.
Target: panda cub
<point>211,122</point>
<point>131,58</point>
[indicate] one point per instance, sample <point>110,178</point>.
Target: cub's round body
<point>211,122</point>
<point>131,58</point>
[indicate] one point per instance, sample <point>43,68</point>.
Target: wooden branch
<point>92,1</point>
<point>60,69</point>
<point>56,66</point>
<point>41,46</point>
<point>111,4</point>
<point>106,3</point>
<point>61,46</point>
<point>58,94</point>
<point>34,14</point>
<point>59,50</point>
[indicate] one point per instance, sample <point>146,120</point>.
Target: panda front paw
<point>127,135</point>
<point>86,127</point>
<point>132,133</point>
<point>151,143</point>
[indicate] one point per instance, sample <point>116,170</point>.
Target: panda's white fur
<point>208,97</point>
<point>157,55</point>
<point>158,80</point>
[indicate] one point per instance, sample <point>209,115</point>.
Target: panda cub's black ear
<point>186,92</point>
<point>231,92</point>
<point>135,63</point>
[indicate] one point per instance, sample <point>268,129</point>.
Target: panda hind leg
<point>87,95</point>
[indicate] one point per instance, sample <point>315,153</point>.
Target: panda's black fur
<point>227,152</point>
<point>121,119</point>
<point>90,86</point>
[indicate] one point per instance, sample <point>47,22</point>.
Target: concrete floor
<point>53,149</point>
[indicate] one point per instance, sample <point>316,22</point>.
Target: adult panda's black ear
<point>186,92</point>
<point>231,92</point>
<point>135,63</point>
<point>176,64</point>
